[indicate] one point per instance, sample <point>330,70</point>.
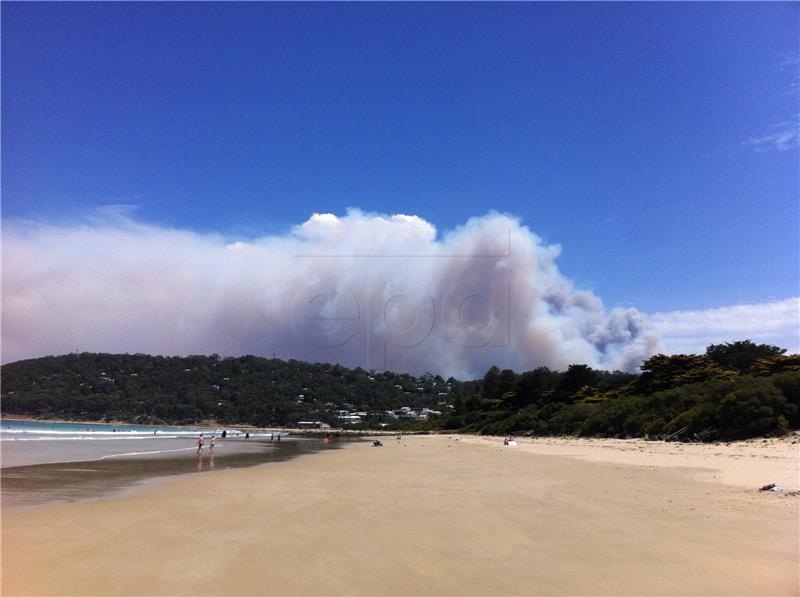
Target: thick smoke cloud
<point>363,289</point>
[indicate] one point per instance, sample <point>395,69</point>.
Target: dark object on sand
<point>377,443</point>
<point>771,487</point>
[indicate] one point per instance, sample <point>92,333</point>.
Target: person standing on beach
<point>200,444</point>
<point>213,443</point>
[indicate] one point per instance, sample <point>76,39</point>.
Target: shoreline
<point>201,425</point>
<point>74,480</point>
<point>425,515</point>
<point>792,437</point>
<point>748,463</point>
<point>212,425</point>
<point>143,484</point>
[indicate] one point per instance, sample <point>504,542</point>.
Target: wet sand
<point>427,516</point>
<point>89,479</point>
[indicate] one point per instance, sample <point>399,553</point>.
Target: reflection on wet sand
<point>201,461</point>
<point>72,481</point>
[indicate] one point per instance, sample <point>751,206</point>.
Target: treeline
<point>186,390</point>
<point>734,391</point>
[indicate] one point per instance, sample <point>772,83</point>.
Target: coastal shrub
<point>633,425</point>
<point>654,427</point>
<point>789,385</point>
<point>568,420</point>
<point>608,418</point>
<point>753,409</point>
<point>783,426</point>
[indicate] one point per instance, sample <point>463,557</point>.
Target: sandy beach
<point>433,515</point>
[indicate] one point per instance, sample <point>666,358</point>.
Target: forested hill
<point>733,391</point>
<point>186,390</point>
<point>728,393</point>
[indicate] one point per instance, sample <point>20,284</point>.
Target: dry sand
<point>751,463</point>
<point>431,516</point>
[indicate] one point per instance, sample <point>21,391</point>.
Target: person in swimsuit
<point>200,443</point>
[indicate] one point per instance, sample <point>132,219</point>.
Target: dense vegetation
<point>186,390</point>
<point>735,390</point>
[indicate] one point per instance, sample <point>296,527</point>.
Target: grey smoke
<point>362,289</point>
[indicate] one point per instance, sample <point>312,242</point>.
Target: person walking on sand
<point>213,443</point>
<point>200,444</point>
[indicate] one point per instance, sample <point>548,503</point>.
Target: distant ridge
<point>735,390</point>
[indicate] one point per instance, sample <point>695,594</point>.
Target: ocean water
<point>39,442</point>
<point>42,461</point>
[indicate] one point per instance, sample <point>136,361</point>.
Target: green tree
<point>491,383</point>
<point>661,372</point>
<point>575,378</point>
<point>742,354</point>
<point>776,364</point>
<point>534,387</point>
<point>507,382</point>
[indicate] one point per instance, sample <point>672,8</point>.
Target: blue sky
<point>657,143</point>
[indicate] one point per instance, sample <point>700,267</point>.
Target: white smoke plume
<point>377,291</point>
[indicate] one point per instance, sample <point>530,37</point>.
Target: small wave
<point>82,438</point>
<point>74,431</point>
<point>146,453</point>
<point>148,433</point>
